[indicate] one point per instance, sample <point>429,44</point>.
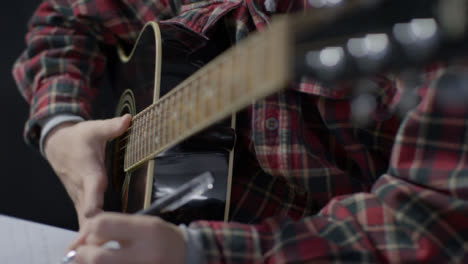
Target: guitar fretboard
<point>254,68</point>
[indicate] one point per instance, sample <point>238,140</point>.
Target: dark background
<point>28,187</point>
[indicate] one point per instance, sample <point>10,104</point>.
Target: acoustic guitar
<point>182,127</point>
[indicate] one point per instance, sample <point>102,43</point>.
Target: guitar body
<point>144,77</point>
<point>183,121</point>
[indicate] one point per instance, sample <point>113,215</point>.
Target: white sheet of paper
<point>32,243</point>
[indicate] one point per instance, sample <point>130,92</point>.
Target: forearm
<point>360,228</point>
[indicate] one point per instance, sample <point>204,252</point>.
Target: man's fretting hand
<point>76,152</point>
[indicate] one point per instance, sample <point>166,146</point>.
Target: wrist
<point>53,124</point>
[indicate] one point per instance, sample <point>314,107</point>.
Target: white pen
<point>179,197</point>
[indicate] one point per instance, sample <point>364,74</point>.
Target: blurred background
<point>28,189</point>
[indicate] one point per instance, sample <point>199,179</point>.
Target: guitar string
<point>159,113</point>
<point>189,87</point>
<point>168,125</point>
<point>153,125</point>
<point>192,86</point>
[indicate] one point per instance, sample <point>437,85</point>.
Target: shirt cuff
<point>51,122</point>
<point>193,246</point>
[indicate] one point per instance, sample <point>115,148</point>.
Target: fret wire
<point>145,134</point>
<point>126,149</point>
<point>190,110</point>
<point>232,79</point>
<point>259,62</point>
<point>178,116</point>
<point>202,96</point>
<point>241,72</point>
<point>194,98</point>
<point>211,97</point>
<point>199,99</point>
<point>170,110</point>
<point>217,89</point>
<point>125,153</point>
<point>132,140</point>
<point>235,72</point>
<point>173,112</point>
<point>130,157</point>
<point>164,122</point>
<point>149,131</point>
<point>226,80</point>
<point>206,93</point>
<point>200,104</point>
<point>129,149</point>
<point>212,85</point>
<point>158,127</point>
<point>169,118</point>
<point>141,145</point>
<point>137,140</point>
<point>182,110</point>
<point>247,71</point>
<point>214,89</point>
<point>163,125</point>
<point>173,116</point>
<point>185,125</point>
<point>209,93</point>
<point>153,128</point>
<point>140,139</point>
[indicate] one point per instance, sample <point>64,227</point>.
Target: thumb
<point>111,128</point>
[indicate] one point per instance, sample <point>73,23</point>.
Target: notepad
<point>28,242</point>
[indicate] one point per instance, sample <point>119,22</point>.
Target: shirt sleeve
<point>415,213</point>
<point>64,58</point>
<point>51,122</point>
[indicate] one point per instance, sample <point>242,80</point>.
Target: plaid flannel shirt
<point>311,185</point>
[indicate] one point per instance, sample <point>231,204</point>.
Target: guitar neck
<point>263,64</point>
<point>230,82</point>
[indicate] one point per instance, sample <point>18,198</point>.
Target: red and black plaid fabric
<point>310,185</point>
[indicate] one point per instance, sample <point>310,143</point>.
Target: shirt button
<point>271,124</point>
